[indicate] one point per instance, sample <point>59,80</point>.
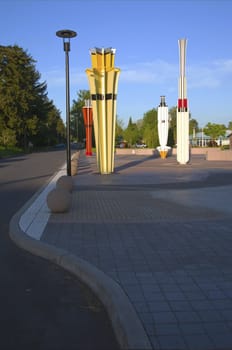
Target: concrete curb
<point>125,322</point>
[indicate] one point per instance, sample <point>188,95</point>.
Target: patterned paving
<point>172,257</point>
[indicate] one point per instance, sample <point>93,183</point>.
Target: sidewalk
<point>154,241</point>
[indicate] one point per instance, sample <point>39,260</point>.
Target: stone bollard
<point>65,182</point>
<point>76,155</point>
<point>59,200</point>
<point>74,164</point>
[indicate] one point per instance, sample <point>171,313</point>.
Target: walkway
<point>162,232</point>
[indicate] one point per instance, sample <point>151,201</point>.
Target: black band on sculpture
<point>101,97</point>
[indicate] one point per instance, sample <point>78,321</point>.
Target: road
<point>42,307</point>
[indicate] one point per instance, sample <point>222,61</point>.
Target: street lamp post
<point>66,34</point>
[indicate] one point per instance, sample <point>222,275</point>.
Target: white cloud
<point>224,66</point>
<point>211,74</point>
<point>155,72</point>
<point>56,78</point>
<point>202,75</point>
<point>159,73</point>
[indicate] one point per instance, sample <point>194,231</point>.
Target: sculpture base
<point>163,154</point>
<point>88,153</point>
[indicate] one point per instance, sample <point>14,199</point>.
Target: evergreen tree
<point>51,131</point>
<point>24,105</point>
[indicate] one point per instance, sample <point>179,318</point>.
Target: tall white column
<point>182,109</point>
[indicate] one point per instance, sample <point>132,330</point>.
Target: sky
<point>145,34</point>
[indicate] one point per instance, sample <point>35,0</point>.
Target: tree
<point>193,126</point>
<point>230,125</point>
<point>118,131</point>
<point>149,129</point>
<point>172,134</point>
<point>60,129</point>
<point>51,130</point>
<point>24,104</point>
<point>131,133</point>
<point>172,138</point>
<point>77,128</point>
<point>215,130</point>
<point>7,137</point>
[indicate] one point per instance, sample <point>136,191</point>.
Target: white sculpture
<point>163,126</point>
<point>182,110</point>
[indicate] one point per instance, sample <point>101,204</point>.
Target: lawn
<point>9,151</point>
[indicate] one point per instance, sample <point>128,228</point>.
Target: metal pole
<point>66,34</point>
<point>67,49</point>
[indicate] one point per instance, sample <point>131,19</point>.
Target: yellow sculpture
<point>103,82</point>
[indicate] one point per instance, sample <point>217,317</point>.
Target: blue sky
<point>145,35</point>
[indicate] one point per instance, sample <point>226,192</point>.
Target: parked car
<point>122,144</point>
<point>60,145</point>
<point>140,145</point>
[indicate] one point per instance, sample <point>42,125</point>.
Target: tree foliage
<point>172,138</point>
<point>119,131</point>
<point>7,137</point>
<point>77,128</point>
<point>131,133</point>
<point>215,130</point>
<point>24,105</point>
<point>230,125</point>
<point>193,126</point>
<point>149,129</point>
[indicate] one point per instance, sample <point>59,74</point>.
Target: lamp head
<point>66,33</point>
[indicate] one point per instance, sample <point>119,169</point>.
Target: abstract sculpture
<point>103,82</point>
<point>88,121</point>
<point>182,110</point>
<point>163,126</point>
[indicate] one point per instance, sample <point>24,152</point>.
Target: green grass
<point>9,151</point>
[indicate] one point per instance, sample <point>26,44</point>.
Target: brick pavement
<point>162,232</point>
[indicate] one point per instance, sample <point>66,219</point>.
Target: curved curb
<point>125,322</point>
